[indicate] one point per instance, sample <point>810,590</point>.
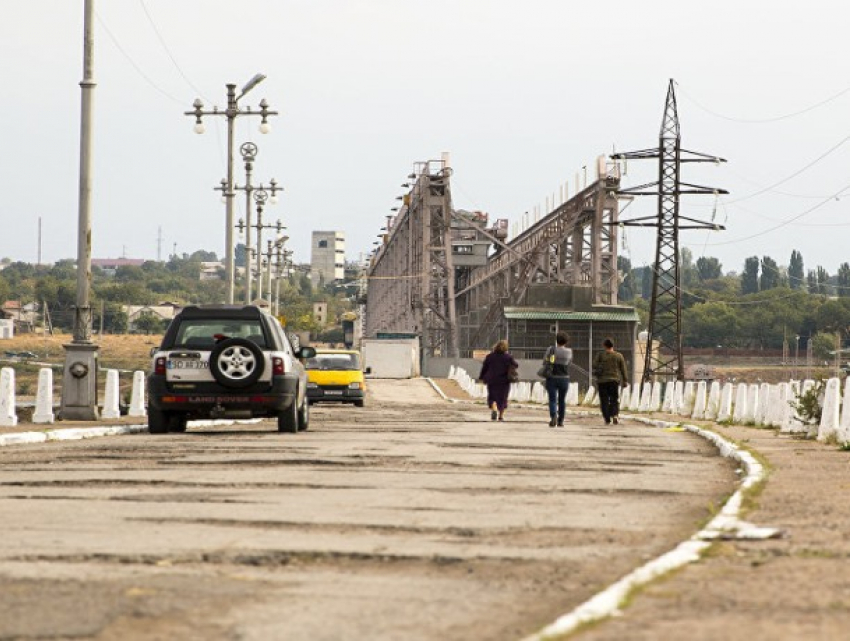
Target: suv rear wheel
<point>177,423</point>
<point>287,420</point>
<point>158,422</point>
<point>304,416</point>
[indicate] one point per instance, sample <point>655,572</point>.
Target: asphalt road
<point>408,519</point>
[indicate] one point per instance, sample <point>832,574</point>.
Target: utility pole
<point>79,376</point>
<point>159,244</point>
<point>665,312</point>
<point>231,113</point>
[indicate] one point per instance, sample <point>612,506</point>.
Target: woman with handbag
<point>556,370</point>
<point>498,372</point>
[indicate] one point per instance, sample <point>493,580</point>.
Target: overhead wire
<point>133,64</point>
<point>168,51</point>
<point>763,120</point>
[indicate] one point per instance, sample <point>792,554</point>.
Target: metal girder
<point>575,244</point>
<point>411,278</point>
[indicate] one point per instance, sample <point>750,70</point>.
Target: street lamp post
<point>261,196</point>
<point>79,376</point>
<point>231,113</point>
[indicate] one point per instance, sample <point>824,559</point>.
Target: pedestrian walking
<point>497,372</point>
<point>556,364</point>
<point>609,368</point>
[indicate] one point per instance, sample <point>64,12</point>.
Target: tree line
<point>176,280</point>
<point>763,306</point>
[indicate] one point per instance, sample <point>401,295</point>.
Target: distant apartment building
<point>327,257</point>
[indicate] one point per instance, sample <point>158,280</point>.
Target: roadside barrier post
<point>8,417</point>
<point>44,397</point>
<point>110,397</point>
<point>137,400</point>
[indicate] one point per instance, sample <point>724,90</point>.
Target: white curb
<point>607,602</point>
<point>79,433</point>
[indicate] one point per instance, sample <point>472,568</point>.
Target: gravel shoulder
<point>796,587</point>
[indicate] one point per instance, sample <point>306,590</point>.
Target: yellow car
<point>335,375</point>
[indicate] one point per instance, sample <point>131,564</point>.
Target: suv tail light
<point>159,366</point>
<point>277,366</point>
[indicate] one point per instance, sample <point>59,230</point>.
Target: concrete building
<point>327,257</point>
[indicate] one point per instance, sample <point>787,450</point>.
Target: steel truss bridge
<point>421,283</point>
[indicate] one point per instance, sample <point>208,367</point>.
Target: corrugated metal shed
<point>526,313</point>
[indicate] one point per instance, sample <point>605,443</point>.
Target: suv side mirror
<point>368,370</point>
<point>306,352</point>
<point>154,350</point>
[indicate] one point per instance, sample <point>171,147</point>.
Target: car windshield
<point>204,334</point>
<point>337,362</point>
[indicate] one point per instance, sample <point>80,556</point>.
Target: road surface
<point>411,518</point>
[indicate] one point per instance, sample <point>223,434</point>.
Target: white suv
<point>226,361</point>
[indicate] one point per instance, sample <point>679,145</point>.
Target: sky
<point>522,94</point>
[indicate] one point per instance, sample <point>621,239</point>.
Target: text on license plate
<point>187,363</point>
<point>333,392</point>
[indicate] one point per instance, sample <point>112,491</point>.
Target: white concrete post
<point>572,395</point>
<point>111,395</point>
<point>625,397</point>
<point>669,396</point>
<point>724,411</point>
<point>645,397</point>
<point>712,405</point>
<point>634,398</point>
<point>831,406</point>
<point>655,398</point>
<point>688,398</point>
<point>752,403</point>
<point>44,397</point>
<point>137,400</point>
<point>589,396</point>
<point>740,411</point>
<point>700,400</point>
<point>764,404</point>
<point>8,417</point>
<point>844,426</point>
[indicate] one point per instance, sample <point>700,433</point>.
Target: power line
<point>764,120</point>
<point>134,65</point>
<point>168,51</point>
<point>784,223</point>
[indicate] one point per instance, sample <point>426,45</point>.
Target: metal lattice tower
<point>665,312</point>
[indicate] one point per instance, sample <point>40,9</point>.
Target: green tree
<point>770,276</point>
<point>646,283</point>
<point>148,323</point>
<point>708,269</point>
<point>796,275</point>
<point>687,272</point>
<point>812,281</point>
<point>843,280</point>
<point>822,344</point>
<point>750,277</point>
<point>822,281</point>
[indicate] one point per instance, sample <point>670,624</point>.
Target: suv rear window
<point>204,333</point>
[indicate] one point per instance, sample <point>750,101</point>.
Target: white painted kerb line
<point>607,603</point>
<point>79,433</point>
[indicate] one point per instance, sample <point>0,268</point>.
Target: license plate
<point>187,363</point>
<point>333,392</point>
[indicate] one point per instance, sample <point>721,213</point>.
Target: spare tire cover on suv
<point>236,362</point>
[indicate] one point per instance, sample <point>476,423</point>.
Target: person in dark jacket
<point>609,368</point>
<point>558,382</point>
<point>494,373</point>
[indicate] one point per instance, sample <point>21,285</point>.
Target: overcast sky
<point>523,94</point>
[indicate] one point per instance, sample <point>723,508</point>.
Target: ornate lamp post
<point>231,113</point>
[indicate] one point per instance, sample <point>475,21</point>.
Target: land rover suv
<point>227,361</point>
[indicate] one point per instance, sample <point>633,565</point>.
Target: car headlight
<point>311,386</point>
<point>354,386</point>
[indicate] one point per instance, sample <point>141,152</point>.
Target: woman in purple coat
<point>494,373</point>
